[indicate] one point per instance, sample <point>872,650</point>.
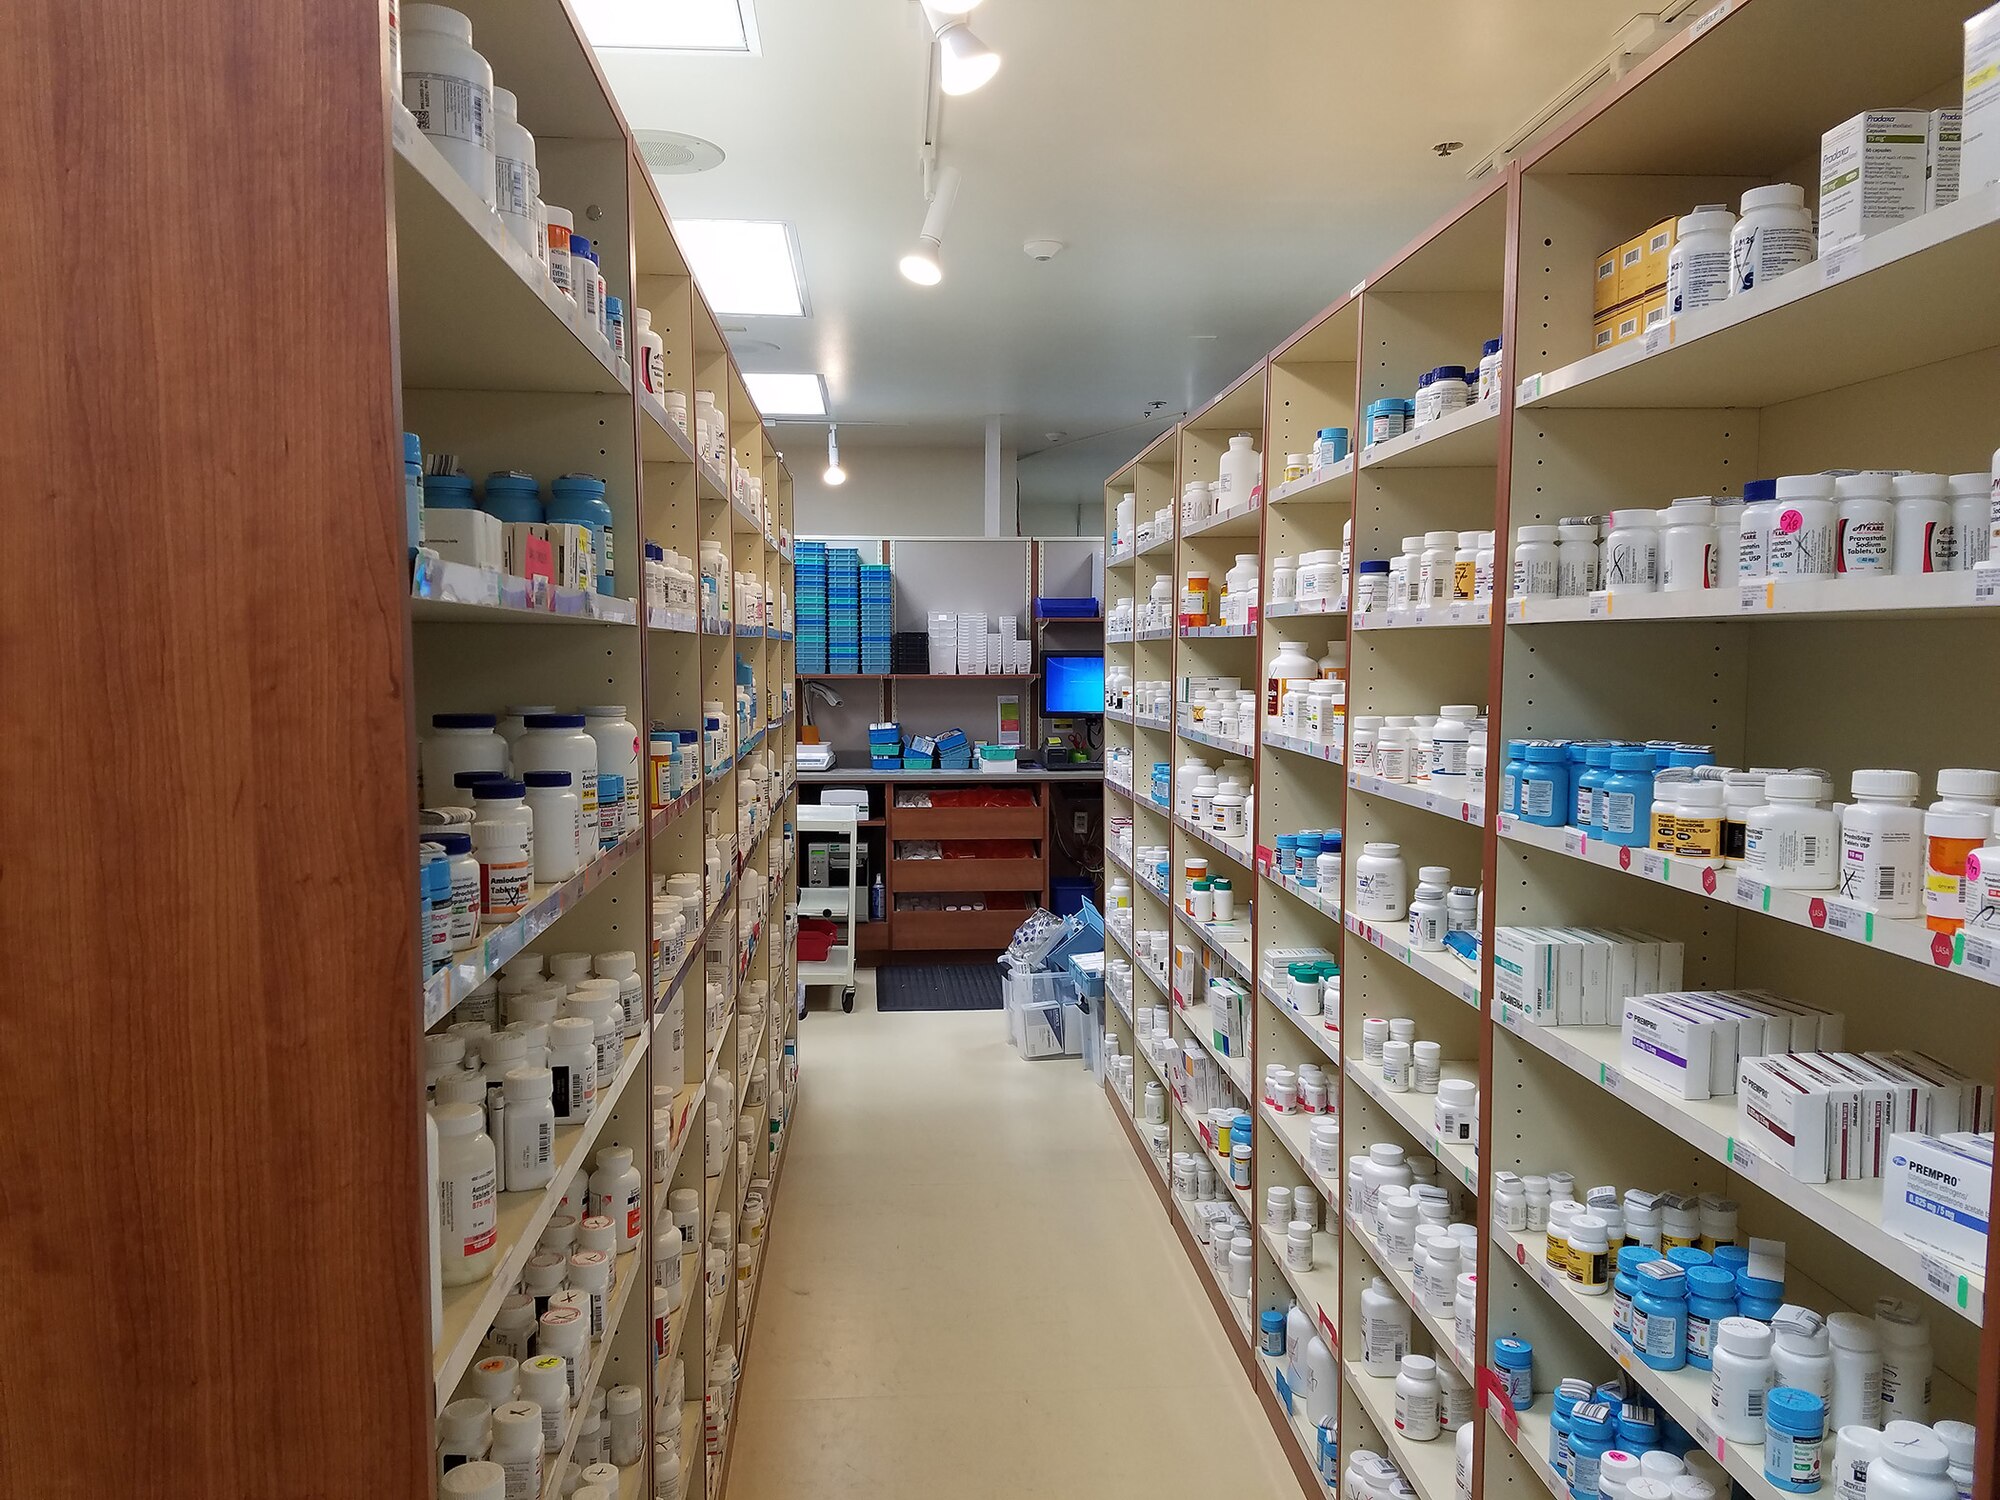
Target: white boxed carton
<point>1936,1192</point>
<point>1872,173</point>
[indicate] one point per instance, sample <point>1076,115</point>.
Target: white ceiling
<point>1219,172</point>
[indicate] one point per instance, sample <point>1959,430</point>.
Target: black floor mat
<point>938,987</point>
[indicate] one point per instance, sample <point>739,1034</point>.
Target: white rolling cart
<point>845,818</point>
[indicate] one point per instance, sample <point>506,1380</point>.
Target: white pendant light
<point>834,475</point>
<point>964,62</point>
<point>921,264</point>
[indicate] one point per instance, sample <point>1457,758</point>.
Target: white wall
<point>1062,518</point>
<point>893,492</point>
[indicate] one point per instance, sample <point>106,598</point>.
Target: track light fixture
<point>834,475</point>
<point>964,62</point>
<point>921,264</point>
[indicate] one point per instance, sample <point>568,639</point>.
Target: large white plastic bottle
<point>1298,1336</point>
<point>1241,478</point>
<point>1322,1386</point>
<point>1385,1329</point>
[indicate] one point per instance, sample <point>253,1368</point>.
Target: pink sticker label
<point>1790,521</point>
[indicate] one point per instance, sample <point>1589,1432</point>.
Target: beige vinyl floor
<point>972,1291</point>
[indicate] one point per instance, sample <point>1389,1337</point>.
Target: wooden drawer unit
<point>957,929</point>
<point>969,874</point>
<point>971,822</point>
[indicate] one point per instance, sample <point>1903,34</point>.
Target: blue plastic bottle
<point>1758,1297</point>
<point>1660,1315</point>
<point>1570,1394</point>
<point>1288,854</point>
<point>513,496</point>
<point>1544,793</point>
<point>1593,1431</point>
<point>1794,1439</point>
<point>1627,801</point>
<point>1271,1331</point>
<point>1597,768</point>
<point>413,488</point>
<point>1510,776</point>
<point>1687,1257</point>
<point>578,500</point>
<point>1691,755</point>
<point>1638,1425</point>
<point>1309,845</point>
<point>1732,1258</point>
<point>1514,1362</point>
<point>1711,1298</point>
<point>448,492</point>
<point>1626,1284</point>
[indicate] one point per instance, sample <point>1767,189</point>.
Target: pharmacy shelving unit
<point>295,657</point>
<point>1872,358</point>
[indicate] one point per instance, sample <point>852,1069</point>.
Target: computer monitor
<point>1072,683</point>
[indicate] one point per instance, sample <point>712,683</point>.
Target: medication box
<point>471,537</point>
<point>1604,291</point>
<point>1942,166</point>
<point>1936,1193</point>
<point>1979,125</point>
<point>1783,1117</point>
<point>1872,174</point>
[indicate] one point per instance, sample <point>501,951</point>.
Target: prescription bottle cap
<point>478,1479</point>
<point>1388,1153</point>
<point>1436,539</point>
<point>1790,787</point>
<point>1707,216</point>
<point>1758,490</point>
<point>529,1083</point>
<point>553,721</point>
<point>1631,1257</point>
<point>1979,786</point>
<point>550,778</point>
<point>1911,1446</point>
<point>453,844</point>
<point>1918,486</point>
<point>1539,533</point>
<point>1632,760</point>
<point>1899,786</point>
<point>1970,484</point>
<point>497,789</point>
<point>1701,794</point>
<point>1777,195</point>
<point>1712,1282</point>
<point>1855,486</point>
<point>462,721</point>
<point>1745,1336</point>
<point>1513,1353</point>
<point>1805,487</point>
<point>1620,519</point>
<point>459,1119</point>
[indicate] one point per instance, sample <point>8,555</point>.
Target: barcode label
<point>1653,864</point>
<point>1980,955</point>
<point>1750,596</point>
<point>1885,883</point>
<point>1708,18</point>
<point>1852,921</point>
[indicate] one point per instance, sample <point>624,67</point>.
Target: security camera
<point>1042,249</point>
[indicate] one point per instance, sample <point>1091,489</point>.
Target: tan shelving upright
<point>1873,359</point>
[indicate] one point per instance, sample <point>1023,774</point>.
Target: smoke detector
<point>1042,249</point>
<point>670,153</point>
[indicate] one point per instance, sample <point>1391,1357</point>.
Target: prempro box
<point>1783,1117</point>
<point>1936,1193</point>
<point>1871,174</point>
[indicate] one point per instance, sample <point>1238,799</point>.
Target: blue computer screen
<point>1073,683</point>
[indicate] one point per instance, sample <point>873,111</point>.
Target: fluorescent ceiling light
<point>746,267</point>
<point>671,25</point>
<point>787,395</point>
